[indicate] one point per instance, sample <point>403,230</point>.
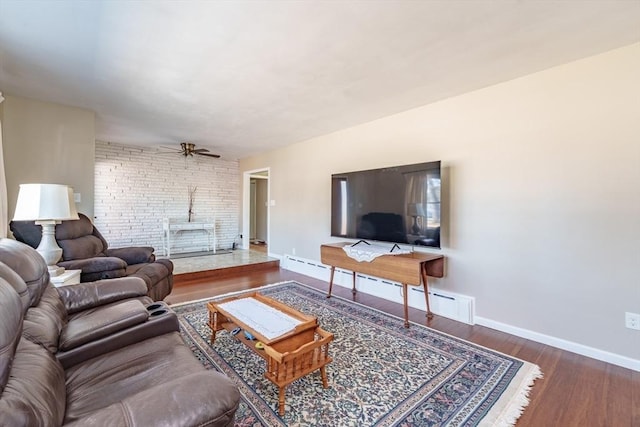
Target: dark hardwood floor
<point>575,391</point>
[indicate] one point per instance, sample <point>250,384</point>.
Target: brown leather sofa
<point>84,248</point>
<point>99,353</point>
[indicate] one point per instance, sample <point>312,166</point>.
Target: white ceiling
<point>241,77</point>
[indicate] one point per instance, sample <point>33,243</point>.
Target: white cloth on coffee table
<point>262,318</point>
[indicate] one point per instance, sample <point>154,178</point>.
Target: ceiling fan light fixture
<point>189,149</point>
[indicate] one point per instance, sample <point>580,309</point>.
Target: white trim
<point>594,353</point>
<point>318,271</point>
<point>277,256</point>
<point>443,303</point>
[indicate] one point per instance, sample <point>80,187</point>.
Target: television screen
<point>399,204</point>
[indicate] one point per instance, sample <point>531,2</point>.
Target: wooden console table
<point>408,269</point>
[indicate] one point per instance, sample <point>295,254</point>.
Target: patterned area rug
<point>382,374</point>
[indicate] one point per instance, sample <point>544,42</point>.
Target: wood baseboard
<point>220,273</point>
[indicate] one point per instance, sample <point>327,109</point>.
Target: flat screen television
<point>399,204</point>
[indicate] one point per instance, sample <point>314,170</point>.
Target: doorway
<point>255,210</point>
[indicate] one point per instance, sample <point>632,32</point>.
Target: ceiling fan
<point>189,149</point>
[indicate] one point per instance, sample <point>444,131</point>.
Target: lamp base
<point>48,247</point>
<point>55,271</point>
<point>415,229</point>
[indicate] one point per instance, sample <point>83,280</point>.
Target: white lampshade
<point>45,202</point>
<point>415,209</point>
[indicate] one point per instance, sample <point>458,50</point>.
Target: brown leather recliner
<point>84,248</point>
<point>79,322</point>
<point>133,377</point>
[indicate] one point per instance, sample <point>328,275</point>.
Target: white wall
<point>541,187</point>
<point>136,187</point>
<point>48,143</point>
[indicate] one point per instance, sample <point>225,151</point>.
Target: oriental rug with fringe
<point>382,374</point>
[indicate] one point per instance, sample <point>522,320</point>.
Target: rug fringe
<point>509,416</point>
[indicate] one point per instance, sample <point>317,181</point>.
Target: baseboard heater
<point>443,303</point>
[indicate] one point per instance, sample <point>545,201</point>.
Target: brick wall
<point>136,187</point>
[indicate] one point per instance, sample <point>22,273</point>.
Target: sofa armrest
<point>132,255</point>
<point>206,398</point>
<point>93,294</point>
<point>95,264</point>
<point>157,324</point>
<point>102,322</point>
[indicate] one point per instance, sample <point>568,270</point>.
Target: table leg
<point>213,324</point>
<point>353,281</point>
<point>425,283</point>
<point>405,292</point>
<point>281,401</point>
<point>323,374</point>
<point>333,270</point>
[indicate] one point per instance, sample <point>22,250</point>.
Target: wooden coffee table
<point>294,344</point>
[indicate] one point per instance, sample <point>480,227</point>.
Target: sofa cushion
<point>79,239</point>
<point>17,283</point>
<point>158,276</point>
<point>35,392</point>
<point>44,322</point>
<point>10,329</point>
<point>29,265</point>
<point>73,229</point>
<point>108,379</point>
<point>198,399</point>
<point>81,247</point>
<point>96,264</point>
<point>27,232</point>
<point>133,254</point>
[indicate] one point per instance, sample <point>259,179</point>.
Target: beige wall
<point>541,191</point>
<point>49,143</point>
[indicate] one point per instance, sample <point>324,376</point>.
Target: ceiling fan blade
<point>188,149</point>
<point>171,150</point>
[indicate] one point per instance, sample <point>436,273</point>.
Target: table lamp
<point>47,205</point>
<point>415,210</point>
